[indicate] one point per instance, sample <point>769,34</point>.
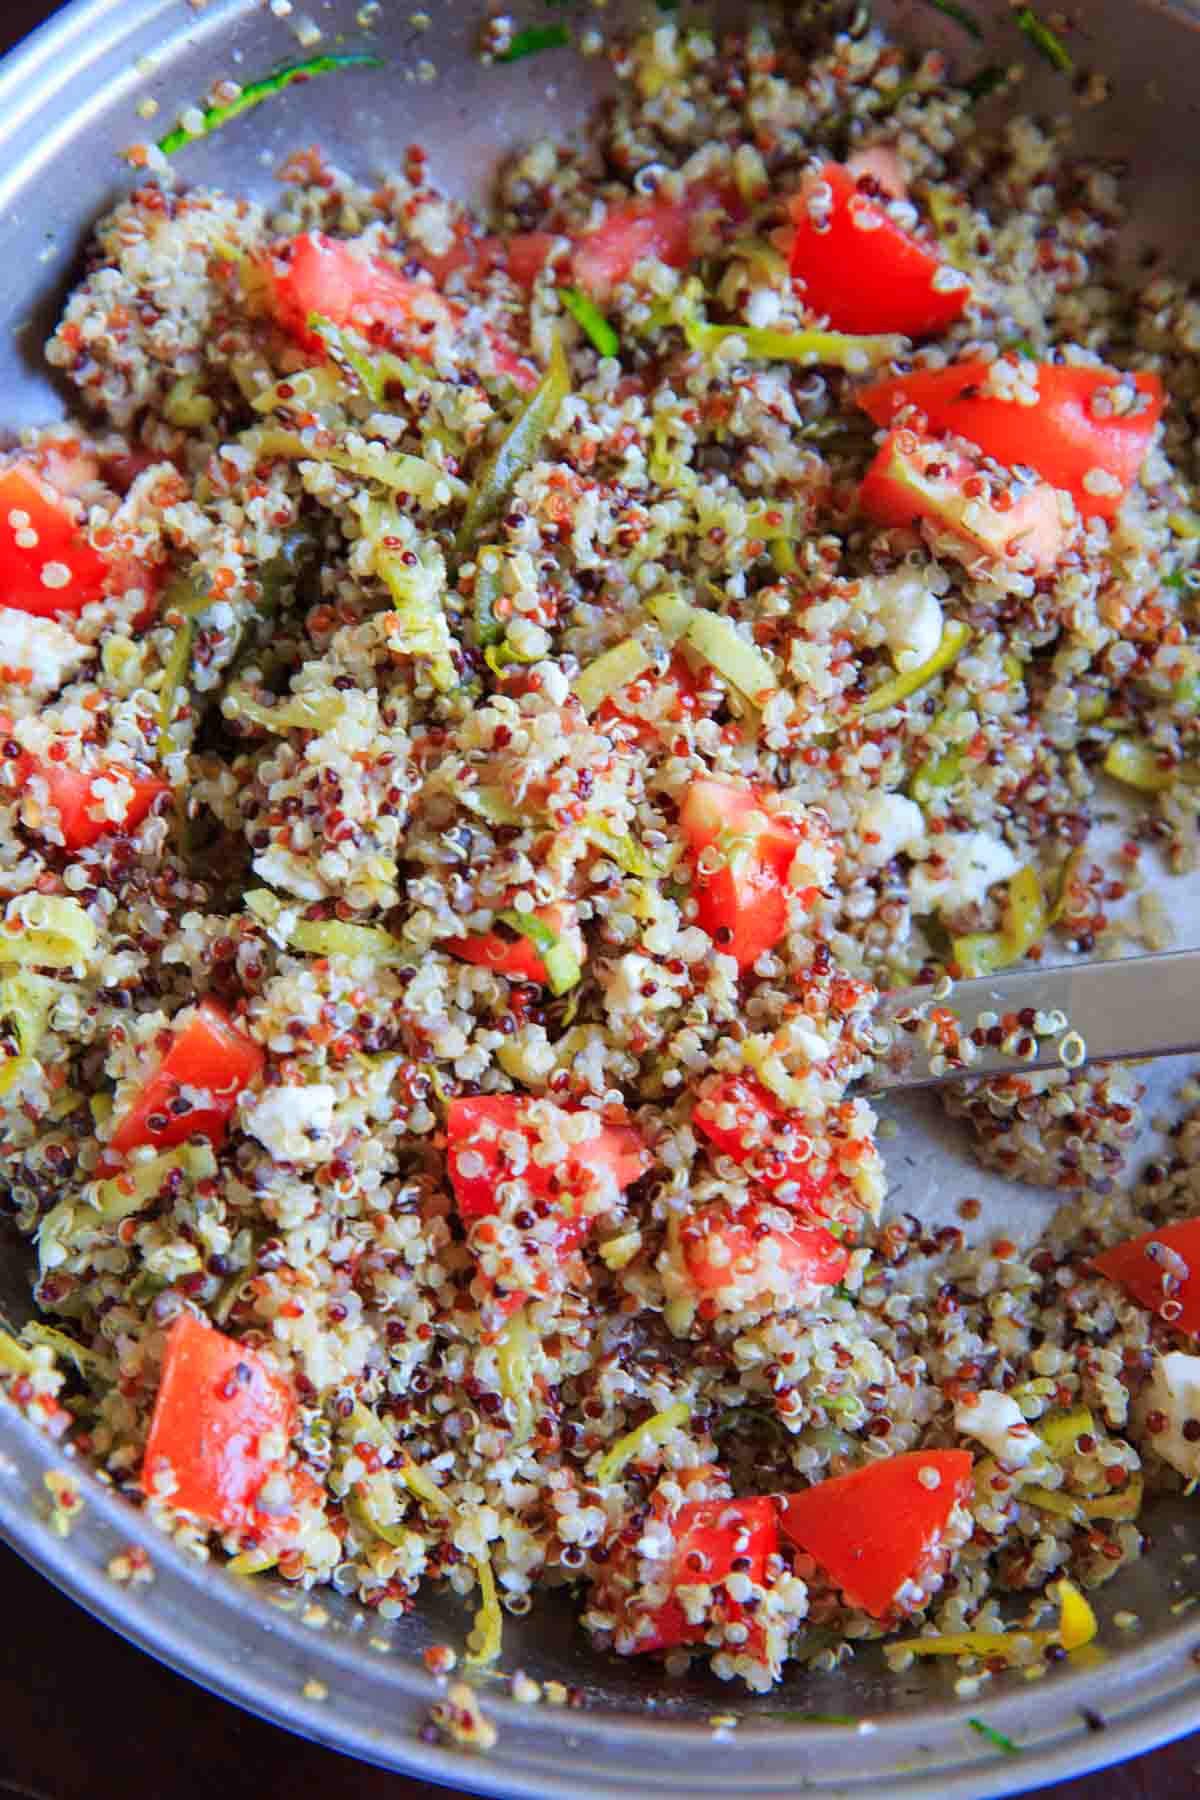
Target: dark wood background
<point>75,1700</point>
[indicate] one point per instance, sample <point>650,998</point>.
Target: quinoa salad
<point>485,705</point>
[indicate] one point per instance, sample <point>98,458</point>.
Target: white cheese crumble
<point>894,823</point>
<point>294,1123</point>
<point>971,862</point>
<point>998,1423</point>
<point>1173,1391</point>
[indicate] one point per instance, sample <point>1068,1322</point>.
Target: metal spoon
<point>1139,1006</point>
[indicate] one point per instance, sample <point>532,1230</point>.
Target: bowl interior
<point>67,107</point>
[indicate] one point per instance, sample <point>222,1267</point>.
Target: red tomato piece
<point>607,255</point>
<point>710,1535</point>
<point>857,267</point>
<point>732,1250</point>
<point>881,1526</point>
<point>473,1125</point>
<point>744,904</point>
<point>527,253</point>
<point>1071,435</point>
<point>219,1404</point>
<point>1152,1275</point>
<point>41,534</point>
<point>763,1139</point>
<point>516,956</point>
<point>318,274</point>
<point>914,478</point>
<point>208,1053</point>
<point>72,793</point>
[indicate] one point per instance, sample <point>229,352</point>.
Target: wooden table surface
<point>87,1717</point>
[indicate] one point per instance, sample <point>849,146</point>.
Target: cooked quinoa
<point>417,636</point>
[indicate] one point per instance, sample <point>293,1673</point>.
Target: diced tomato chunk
<point>209,1054</point>
<point>514,955</point>
<point>73,794</point>
<point>607,255</point>
<point>1078,436</point>
<point>473,1128</point>
<point>743,1251</point>
<point>313,273</point>
<point>710,1536</point>
<point>221,1423</point>
<point>527,253</point>
<point>882,1526</point>
<point>857,267</point>
<point>773,1149</point>
<point>914,478</point>
<point>744,905</point>
<point>47,565</point>
<point>1149,1270</point>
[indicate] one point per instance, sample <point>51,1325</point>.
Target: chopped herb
<point>960,15</point>
<point>258,91</point>
<point>796,1716</point>
<point>1044,40</point>
<point>667,5</point>
<point>1022,347</point>
<point>1092,1719</point>
<point>532,43</point>
<point>996,1738</point>
<point>591,321</point>
<point>984,83</point>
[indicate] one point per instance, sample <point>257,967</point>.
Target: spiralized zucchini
<point>329,937</point>
<point>489,1624</point>
<point>299,712</point>
<point>50,931</point>
<point>401,474</point>
<point>611,671</point>
<point>514,1361</point>
<point>416,579</point>
<point>517,451</point>
<point>1076,1627</point>
<point>652,1431</point>
<point>25,1005</point>
<point>718,641</point>
<point>955,638</point>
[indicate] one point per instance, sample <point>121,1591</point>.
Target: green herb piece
<point>1044,40</point>
<point>258,91</point>
<point>591,321</point>
<point>960,15</point>
<point>996,1738</point>
<point>533,42</point>
<point>517,451</point>
<point>984,83</point>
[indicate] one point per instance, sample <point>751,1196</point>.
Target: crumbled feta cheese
<point>998,1423</point>
<point>294,1123</point>
<point>911,618</point>
<point>1173,1391</point>
<point>887,824</point>
<point>970,863</point>
<point>39,654</point>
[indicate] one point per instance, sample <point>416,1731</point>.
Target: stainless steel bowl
<point>67,106</point>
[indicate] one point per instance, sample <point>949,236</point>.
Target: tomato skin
<point>72,794</point>
<point>606,256</point>
<point>879,1527</point>
<point>313,273</point>
<point>618,1149</point>
<point>716,1242</point>
<point>216,1401</point>
<point>769,1161</point>
<point>209,1052</point>
<point>719,1531</point>
<point>1133,1268</point>
<point>515,957</point>
<point>745,910</point>
<point>897,491</point>
<point>870,277</point>
<point>60,539</point>
<point>1059,437</point>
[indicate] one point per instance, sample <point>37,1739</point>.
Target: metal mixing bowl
<point>67,105</point>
